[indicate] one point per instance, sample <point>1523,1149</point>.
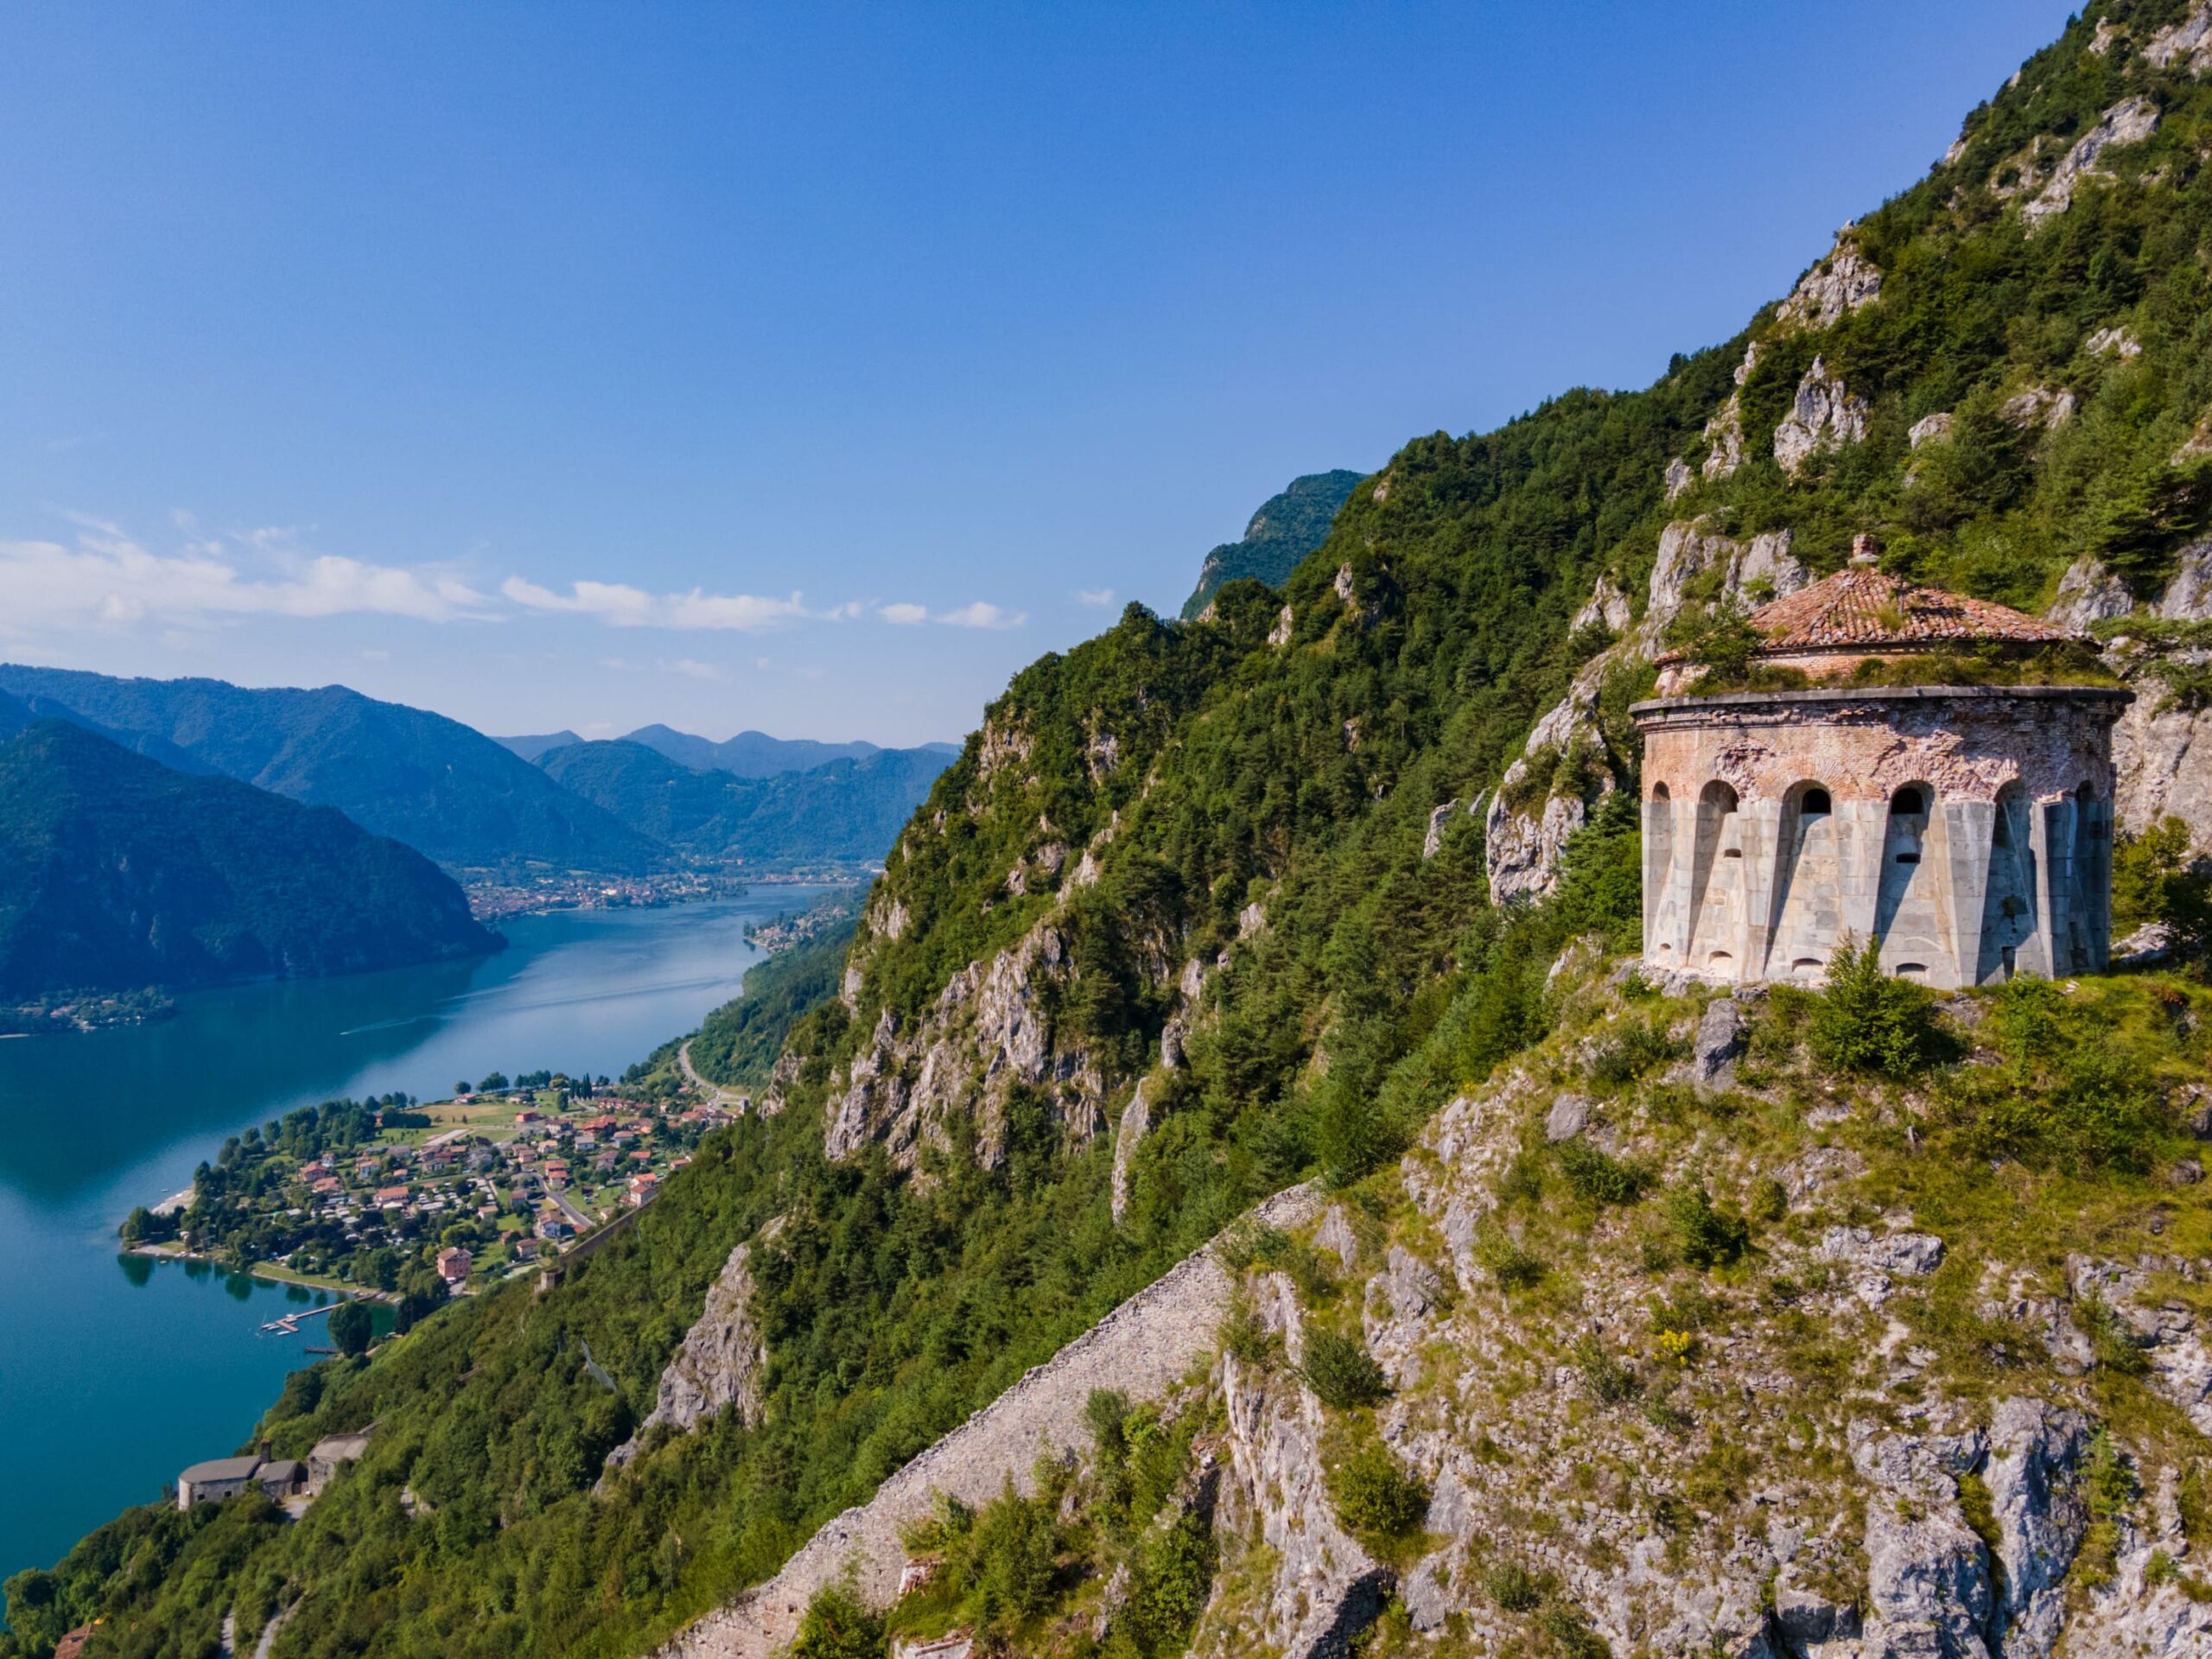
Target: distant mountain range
<point>849,810</point>
<point>118,872</point>
<point>443,788</point>
<point>749,755</point>
<point>529,748</point>
<point>1282,532</point>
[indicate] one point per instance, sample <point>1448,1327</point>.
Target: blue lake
<point>116,1372</point>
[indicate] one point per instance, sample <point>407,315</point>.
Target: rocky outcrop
<point>2088,592</point>
<point>716,1369</point>
<point>1724,437</point>
<point>1522,843</point>
<point>1137,1123</point>
<point>1143,1348</point>
<point>2047,407</point>
<point>1723,1031</point>
<point>986,1033</point>
<point>2178,1362</point>
<point>2113,341</point>
<point>2129,122</point>
<point>1324,1588</point>
<point>2188,597</point>
<point>1930,428</point>
<point>1823,416</point>
<point>2188,43</point>
<point>2033,1478</point>
<point>1839,284</point>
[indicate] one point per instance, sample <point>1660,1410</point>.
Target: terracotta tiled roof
<point>1860,606</point>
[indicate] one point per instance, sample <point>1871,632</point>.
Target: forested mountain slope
<point>448,791</point>
<point>1284,530</point>
<point>756,754</point>
<point>117,872</point>
<point>1194,915</point>
<point>843,810</point>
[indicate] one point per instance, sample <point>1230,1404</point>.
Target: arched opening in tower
<point>1662,899</point>
<point>1908,908</point>
<point>1717,883</point>
<point>2008,908</point>
<point>1809,883</point>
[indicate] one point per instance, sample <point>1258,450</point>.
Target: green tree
<point>1870,1022</point>
<point>351,1328</point>
<point>836,1625</point>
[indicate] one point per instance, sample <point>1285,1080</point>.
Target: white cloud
<point>107,579</point>
<point>374,655</point>
<point>982,615</point>
<point>621,605</point>
<point>1102,597</point>
<point>691,668</point>
<point>904,614</point>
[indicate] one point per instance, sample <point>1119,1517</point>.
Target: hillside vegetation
<point>1208,859</point>
<point>1284,530</point>
<point>845,810</point>
<point>449,792</point>
<point>118,873</point>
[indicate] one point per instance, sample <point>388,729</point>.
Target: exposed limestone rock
<point>2180,1364</point>
<point>1568,1117</point>
<point>1439,819</point>
<point>1606,607</point>
<point>1823,416</point>
<point>2109,35</point>
<point>1252,919</point>
<point>1394,1312</point>
<point>1521,850</point>
<point>1137,1123</point>
<point>718,1366</point>
<point>1839,284</point>
<point>2115,341</point>
<point>2088,592</point>
<point>2162,757</point>
<point>1335,1234</point>
<point>986,1033</point>
<point>2048,407</point>
<point>1679,477</point>
<point>2188,597</point>
<point>1928,1581</point>
<point>1914,1255</point>
<point>887,921</point>
<point>1930,428</point>
<point>781,1081</point>
<point>1002,746</point>
<point>2035,1454</point>
<point>848,991</point>
<point>1343,587</point>
<point>1280,635</point>
<point>1101,755</point>
<point>2129,122</point>
<point>1326,1587</point>
<point>2188,43</point>
<point>1724,433</point>
<point>1722,1035</point>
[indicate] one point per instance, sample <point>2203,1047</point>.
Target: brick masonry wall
<point>1143,1347</point>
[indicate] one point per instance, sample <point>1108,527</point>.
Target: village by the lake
<point>410,1201</point>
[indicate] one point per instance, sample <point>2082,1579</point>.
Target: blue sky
<point>812,368</point>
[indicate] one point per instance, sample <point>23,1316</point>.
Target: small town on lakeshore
<point>408,1202</point>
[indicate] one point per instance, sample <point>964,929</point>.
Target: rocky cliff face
<point>1528,826</point>
<point>717,1368</point>
<point>1783,1460</point>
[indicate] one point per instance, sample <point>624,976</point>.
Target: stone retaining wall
<point>1142,1347</point>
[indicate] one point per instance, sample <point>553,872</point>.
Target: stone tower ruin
<point>1967,828</point>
